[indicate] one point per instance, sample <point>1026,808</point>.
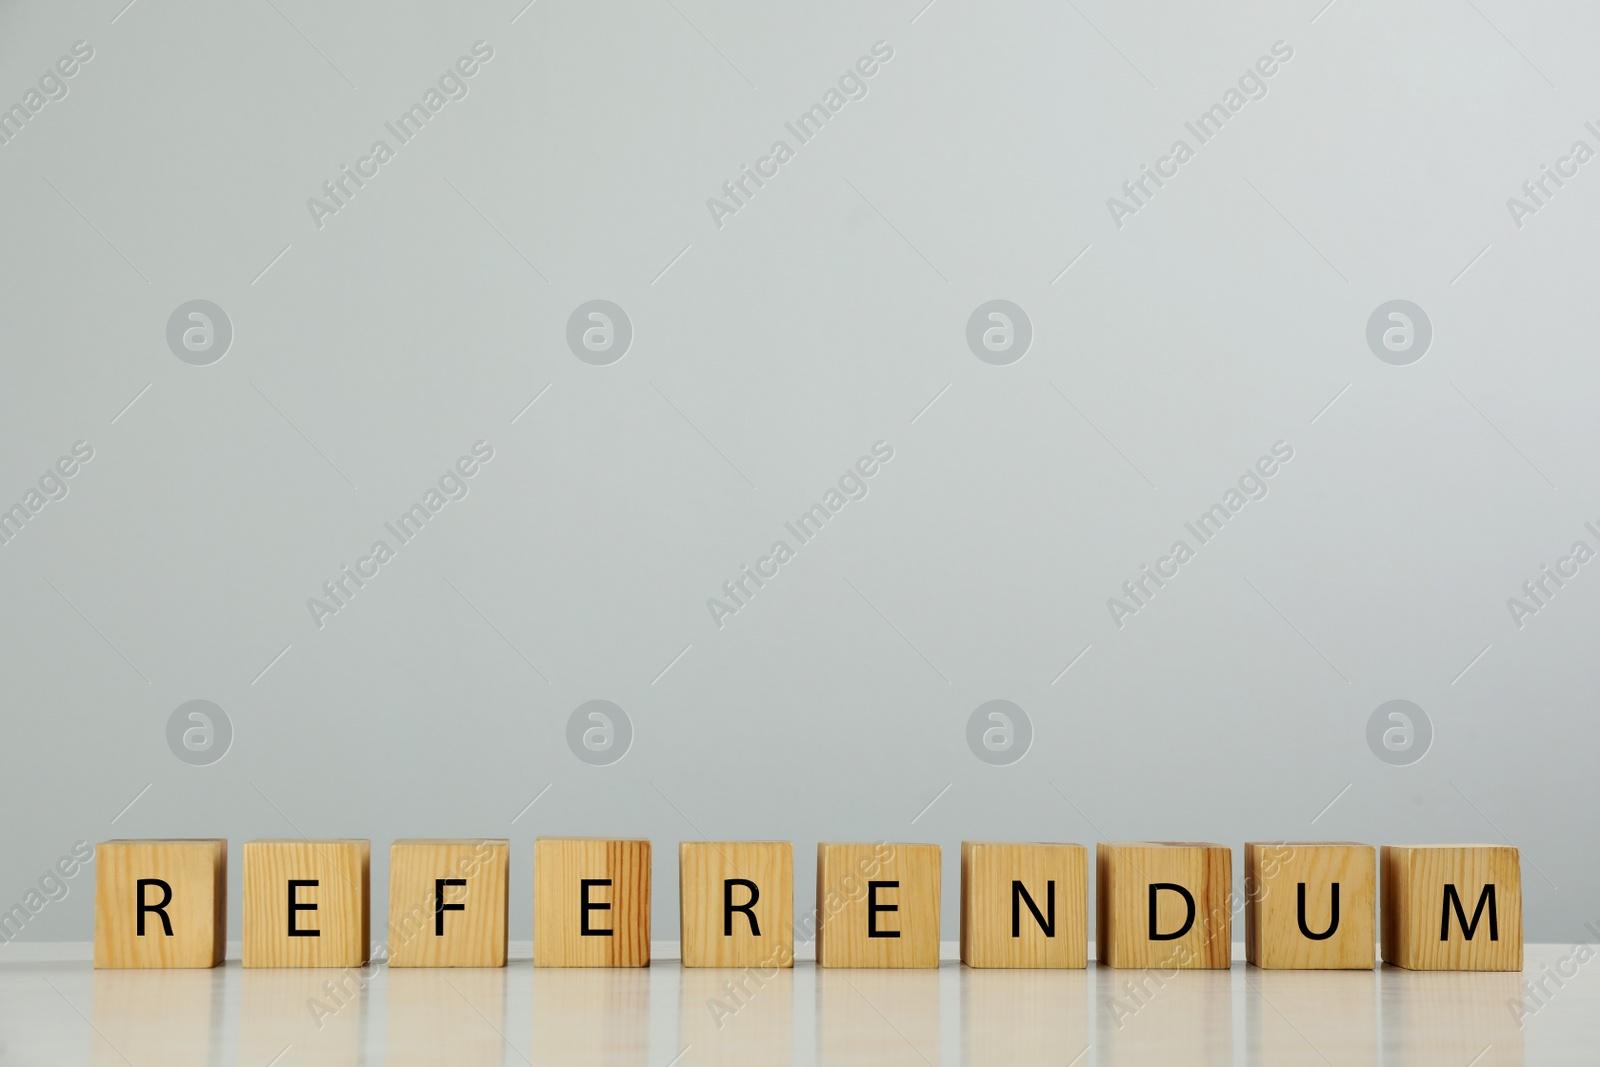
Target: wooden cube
<point>1163,904</point>
<point>591,902</point>
<point>307,902</point>
<point>160,903</point>
<point>878,905</point>
<point>736,903</point>
<point>1452,907</point>
<point>1024,905</point>
<point>1310,905</point>
<point>447,902</point>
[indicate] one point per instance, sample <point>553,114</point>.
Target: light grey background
<point>768,355</point>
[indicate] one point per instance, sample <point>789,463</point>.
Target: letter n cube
<point>307,902</point>
<point>1163,904</point>
<point>447,902</point>
<point>1452,907</point>
<point>591,902</point>
<point>160,903</point>
<point>1024,905</point>
<point>736,903</point>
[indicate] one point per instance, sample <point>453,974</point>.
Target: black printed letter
<point>1188,899</point>
<point>159,908</point>
<point>440,907</point>
<point>294,907</point>
<point>586,907</point>
<point>873,907</point>
<point>729,907</point>
<point>1020,896</point>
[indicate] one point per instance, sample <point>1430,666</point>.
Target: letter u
<point>1300,914</point>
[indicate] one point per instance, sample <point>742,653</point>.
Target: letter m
<point>1453,900</point>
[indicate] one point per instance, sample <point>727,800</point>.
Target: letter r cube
<point>160,903</point>
<point>736,903</point>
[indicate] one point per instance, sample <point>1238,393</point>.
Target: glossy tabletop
<point>65,1012</point>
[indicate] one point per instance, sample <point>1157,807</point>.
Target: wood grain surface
<point>560,866</point>
<point>197,872</point>
<point>342,870</point>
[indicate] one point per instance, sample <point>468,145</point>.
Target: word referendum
<point>52,486</point>
<point>1160,907</point>
<point>347,583</point>
<point>452,86</point>
<point>1252,486</point>
<point>1252,86</point>
<point>852,486</point>
<point>52,86</point>
<point>852,86</point>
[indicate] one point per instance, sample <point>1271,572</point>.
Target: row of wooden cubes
<point>1161,905</point>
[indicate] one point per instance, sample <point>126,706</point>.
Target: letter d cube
<point>1163,904</point>
<point>160,903</point>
